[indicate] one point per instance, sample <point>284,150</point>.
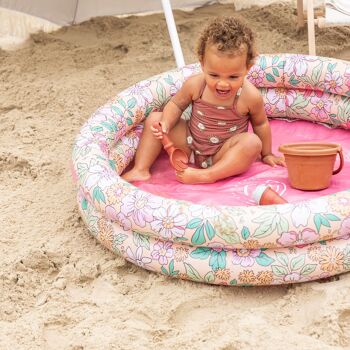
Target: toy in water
<point>265,195</point>
<point>310,164</point>
<point>178,157</point>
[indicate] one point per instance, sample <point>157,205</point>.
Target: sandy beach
<point>59,288</point>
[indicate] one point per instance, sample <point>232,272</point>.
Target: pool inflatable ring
<point>232,245</point>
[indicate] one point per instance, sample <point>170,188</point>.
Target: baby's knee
<point>153,117</point>
<point>252,143</point>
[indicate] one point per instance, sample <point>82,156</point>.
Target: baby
<point>216,137</point>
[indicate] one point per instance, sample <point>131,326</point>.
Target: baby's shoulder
<point>250,92</point>
<point>194,84</point>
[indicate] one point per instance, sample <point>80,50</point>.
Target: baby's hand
<point>159,129</point>
<point>273,160</point>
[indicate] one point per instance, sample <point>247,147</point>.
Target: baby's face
<point>224,73</point>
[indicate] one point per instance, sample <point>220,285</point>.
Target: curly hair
<point>228,34</point>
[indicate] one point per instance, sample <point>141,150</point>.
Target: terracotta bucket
<point>310,164</point>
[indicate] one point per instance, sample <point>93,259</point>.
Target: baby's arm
<point>177,104</point>
<point>262,128</point>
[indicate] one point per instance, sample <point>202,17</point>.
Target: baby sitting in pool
<point>216,137</point>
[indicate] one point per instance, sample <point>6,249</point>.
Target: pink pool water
<point>238,190</point>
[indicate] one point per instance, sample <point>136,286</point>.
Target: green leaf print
<point>300,103</point>
<point>119,239</point>
<point>346,252</point>
<point>279,270</point>
<point>270,222</point>
<point>169,80</point>
<point>275,59</point>
<point>148,110</point>
<point>281,64</point>
<point>112,164</point>
<point>96,128</point>
<point>245,233</point>
<point>82,169</point>
<point>230,238</point>
<point>121,102</point>
<point>201,253</point>
<point>198,237</point>
<point>98,195</point>
<point>297,262</point>
<point>330,67</point>
<point>307,269</point>
<point>275,72</point>
<point>218,260</point>
<point>194,223</point>
<point>293,81</point>
<point>209,277</point>
<point>209,229</point>
<point>332,217</point>
<point>171,271</point>
<point>270,77</point>
<point>160,92</point>
<point>117,110</point>
<point>316,73</point>
<point>282,258</point>
<point>84,204</point>
<point>233,282</point>
<point>263,63</point>
<point>264,230</point>
<point>141,240</point>
<point>132,103</point>
<point>319,221</point>
<point>264,260</point>
<point>192,273</point>
<point>109,127</point>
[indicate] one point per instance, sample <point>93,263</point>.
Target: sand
<point>59,288</point>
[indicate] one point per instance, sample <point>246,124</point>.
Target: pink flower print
<point>104,147</point>
<point>290,97</point>
<point>245,257</point>
<point>268,109</point>
<point>292,238</point>
<point>297,65</point>
<point>169,222</point>
<point>175,87</point>
<point>347,77</point>
<point>189,70</point>
<point>322,107</point>
<point>292,277</point>
<point>277,97</point>
<point>162,251</point>
<point>345,228</point>
<point>137,258</point>
<point>139,206</point>
<point>256,75</point>
<point>333,82</point>
<point>141,91</point>
<point>99,175</point>
<point>218,247</point>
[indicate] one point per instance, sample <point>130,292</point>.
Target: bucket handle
<point>340,152</point>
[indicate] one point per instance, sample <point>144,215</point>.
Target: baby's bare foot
<point>136,175</point>
<point>193,176</point>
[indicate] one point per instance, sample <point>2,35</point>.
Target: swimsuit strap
<point>238,93</point>
<point>202,89</point>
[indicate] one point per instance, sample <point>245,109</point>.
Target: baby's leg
<point>146,153</point>
<point>235,157</point>
<point>150,147</point>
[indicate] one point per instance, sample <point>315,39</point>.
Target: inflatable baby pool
<point>218,244</point>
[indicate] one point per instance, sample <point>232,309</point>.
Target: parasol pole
<point>180,62</point>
